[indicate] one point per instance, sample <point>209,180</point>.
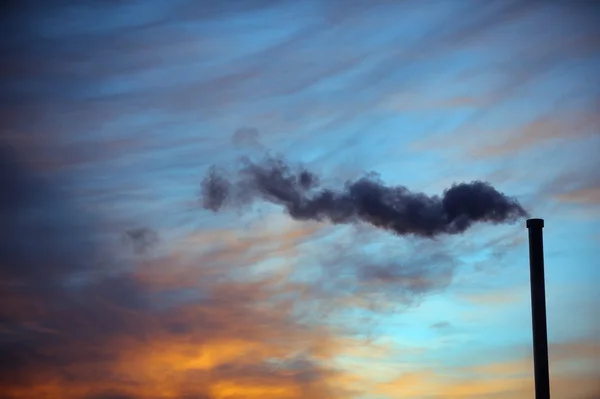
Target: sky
<point>117,281</point>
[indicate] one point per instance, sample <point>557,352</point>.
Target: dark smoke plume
<point>368,199</point>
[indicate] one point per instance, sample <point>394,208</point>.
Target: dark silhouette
<point>538,309</point>
<point>368,199</point>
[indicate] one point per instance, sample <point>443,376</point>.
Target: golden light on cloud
<point>512,378</point>
<point>178,327</point>
<point>128,272</point>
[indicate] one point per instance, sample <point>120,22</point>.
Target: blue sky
<point>116,110</point>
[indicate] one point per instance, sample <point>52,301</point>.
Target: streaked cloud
<point>116,284</point>
<point>498,379</point>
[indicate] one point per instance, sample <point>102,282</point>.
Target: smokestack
<point>538,309</point>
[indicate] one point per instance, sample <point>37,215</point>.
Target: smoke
<point>142,239</point>
<point>367,199</point>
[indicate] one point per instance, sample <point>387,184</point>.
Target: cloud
<point>78,324</point>
<point>498,379</point>
<point>219,339</point>
<point>191,323</point>
<point>547,128</point>
<point>41,242</point>
<point>108,105</point>
<point>142,239</point>
<point>550,128</point>
<point>575,187</point>
<point>590,195</point>
<point>441,325</point>
<point>498,297</point>
<point>120,68</point>
<point>380,276</point>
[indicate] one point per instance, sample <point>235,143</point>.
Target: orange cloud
<point>238,342</point>
<point>76,324</point>
<point>561,126</point>
<point>508,379</point>
<point>203,320</point>
<point>587,195</point>
<point>577,185</point>
<point>499,297</point>
<point>212,318</point>
<point>548,128</point>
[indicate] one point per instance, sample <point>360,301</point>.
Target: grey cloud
<point>441,325</point>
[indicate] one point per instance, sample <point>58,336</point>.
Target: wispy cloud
<point>115,283</point>
<point>497,379</point>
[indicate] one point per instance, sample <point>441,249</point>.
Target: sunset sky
<point>116,282</point>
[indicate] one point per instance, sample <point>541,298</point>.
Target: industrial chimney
<point>538,309</point>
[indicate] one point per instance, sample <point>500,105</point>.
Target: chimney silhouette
<point>538,309</point>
